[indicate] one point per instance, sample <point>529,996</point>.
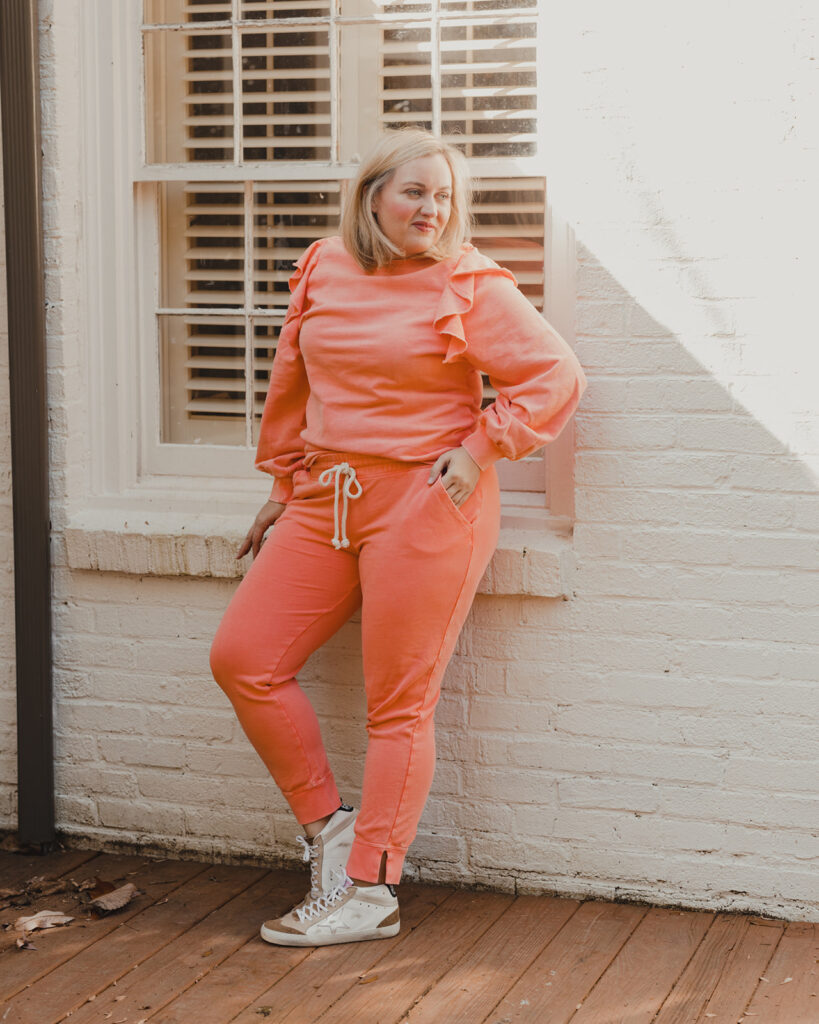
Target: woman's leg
<point>297,593</point>
<point>419,574</point>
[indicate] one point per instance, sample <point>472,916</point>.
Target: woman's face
<point>413,207</point>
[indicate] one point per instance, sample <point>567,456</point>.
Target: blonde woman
<point>385,498</point>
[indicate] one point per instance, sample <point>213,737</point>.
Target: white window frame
<point>120,265</point>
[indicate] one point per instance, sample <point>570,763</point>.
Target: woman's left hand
<point>460,472</point>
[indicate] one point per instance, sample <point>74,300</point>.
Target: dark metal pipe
<point>22,175</point>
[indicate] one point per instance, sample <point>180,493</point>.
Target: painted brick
<point>150,818</point>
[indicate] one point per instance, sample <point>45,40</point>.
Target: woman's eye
<point>413,192</point>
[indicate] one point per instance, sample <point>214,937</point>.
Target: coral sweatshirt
<point>389,363</point>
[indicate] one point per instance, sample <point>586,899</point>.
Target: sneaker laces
<point>310,853</point>
<point>326,900</point>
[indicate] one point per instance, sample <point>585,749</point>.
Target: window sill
<point>534,562</point>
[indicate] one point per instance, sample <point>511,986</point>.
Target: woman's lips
<point>422,226</point>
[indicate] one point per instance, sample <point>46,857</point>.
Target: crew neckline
<point>406,265</point>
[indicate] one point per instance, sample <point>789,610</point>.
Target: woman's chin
<point>417,247</point>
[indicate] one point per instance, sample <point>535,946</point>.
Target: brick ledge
<point>537,563</point>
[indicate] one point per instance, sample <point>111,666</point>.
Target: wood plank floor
<point>186,950</point>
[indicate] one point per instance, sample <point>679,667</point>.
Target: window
<point>255,116</point>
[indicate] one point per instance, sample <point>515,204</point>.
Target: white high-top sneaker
<point>347,913</point>
<point>329,851</point>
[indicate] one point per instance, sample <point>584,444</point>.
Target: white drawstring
<point>340,539</point>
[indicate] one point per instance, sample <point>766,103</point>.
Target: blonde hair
<point>363,238</point>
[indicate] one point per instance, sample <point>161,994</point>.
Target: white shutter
<point>509,226</point>
<point>189,83</point>
<point>488,85</point>
<point>406,77</point>
<point>284,77</point>
<point>215,367</point>
<point>286,219</point>
<point>509,216</point>
<point>264,9</point>
<point>286,94</point>
<point>202,230</point>
<point>485,59</point>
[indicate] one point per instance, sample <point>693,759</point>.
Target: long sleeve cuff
<point>482,450</point>
<point>282,489</point>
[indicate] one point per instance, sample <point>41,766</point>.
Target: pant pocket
<point>467,513</point>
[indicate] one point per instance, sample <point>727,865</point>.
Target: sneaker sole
<point>289,939</point>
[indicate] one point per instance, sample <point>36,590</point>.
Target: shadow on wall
<point>666,713</point>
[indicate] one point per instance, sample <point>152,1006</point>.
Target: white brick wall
<point>655,734</point>
<point>8,683</point>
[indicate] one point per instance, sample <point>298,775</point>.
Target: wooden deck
<point>186,950</point>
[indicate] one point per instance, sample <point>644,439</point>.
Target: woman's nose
<point>429,207</point>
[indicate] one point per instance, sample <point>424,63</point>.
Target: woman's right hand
<point>268,514</point>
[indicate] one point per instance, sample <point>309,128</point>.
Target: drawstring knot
<point>340,539</point>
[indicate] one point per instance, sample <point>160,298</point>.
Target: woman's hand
<point>268,514</point>
<point>460,471</point>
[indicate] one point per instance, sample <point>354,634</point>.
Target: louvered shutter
<point>216,367</point>
<point>509,217</point>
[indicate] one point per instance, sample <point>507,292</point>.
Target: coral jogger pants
<point>413,564</point>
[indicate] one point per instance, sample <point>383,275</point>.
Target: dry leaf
<point>785,982</point>
<point>24,943</point>
<point>367,980</point>
<point>49,886</point>
<point>43,919</point>
<point>87,883</point>
<point>101,887</point>
<point>39,885</point>
<point>115,900</point>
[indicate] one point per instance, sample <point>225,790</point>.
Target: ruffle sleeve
<point>280,450</point>
<point>458,298</point>
<point>489,323</point>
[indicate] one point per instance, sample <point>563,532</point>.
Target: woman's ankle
<point>312,828</point>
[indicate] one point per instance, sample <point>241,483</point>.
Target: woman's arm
<point>280,450</point>
<point>537,376</point>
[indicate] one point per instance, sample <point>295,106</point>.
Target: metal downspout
<point>22,167</point>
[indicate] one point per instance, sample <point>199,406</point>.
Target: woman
<point>385,497</point>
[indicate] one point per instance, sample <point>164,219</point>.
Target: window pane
<point>485,6</point>
<point>488,86</point>
<point>286,219</point>
<point>285,8</point>
<point>265,335</point>
<point>509,227</point>
<point>286,94</point>
<point>509,216</point>
<point>406,81</point>
<point>351,8</point>
<point>203,379</point>
<point>202,243</point>
<point>177,12</point>
<point>189,89</point>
